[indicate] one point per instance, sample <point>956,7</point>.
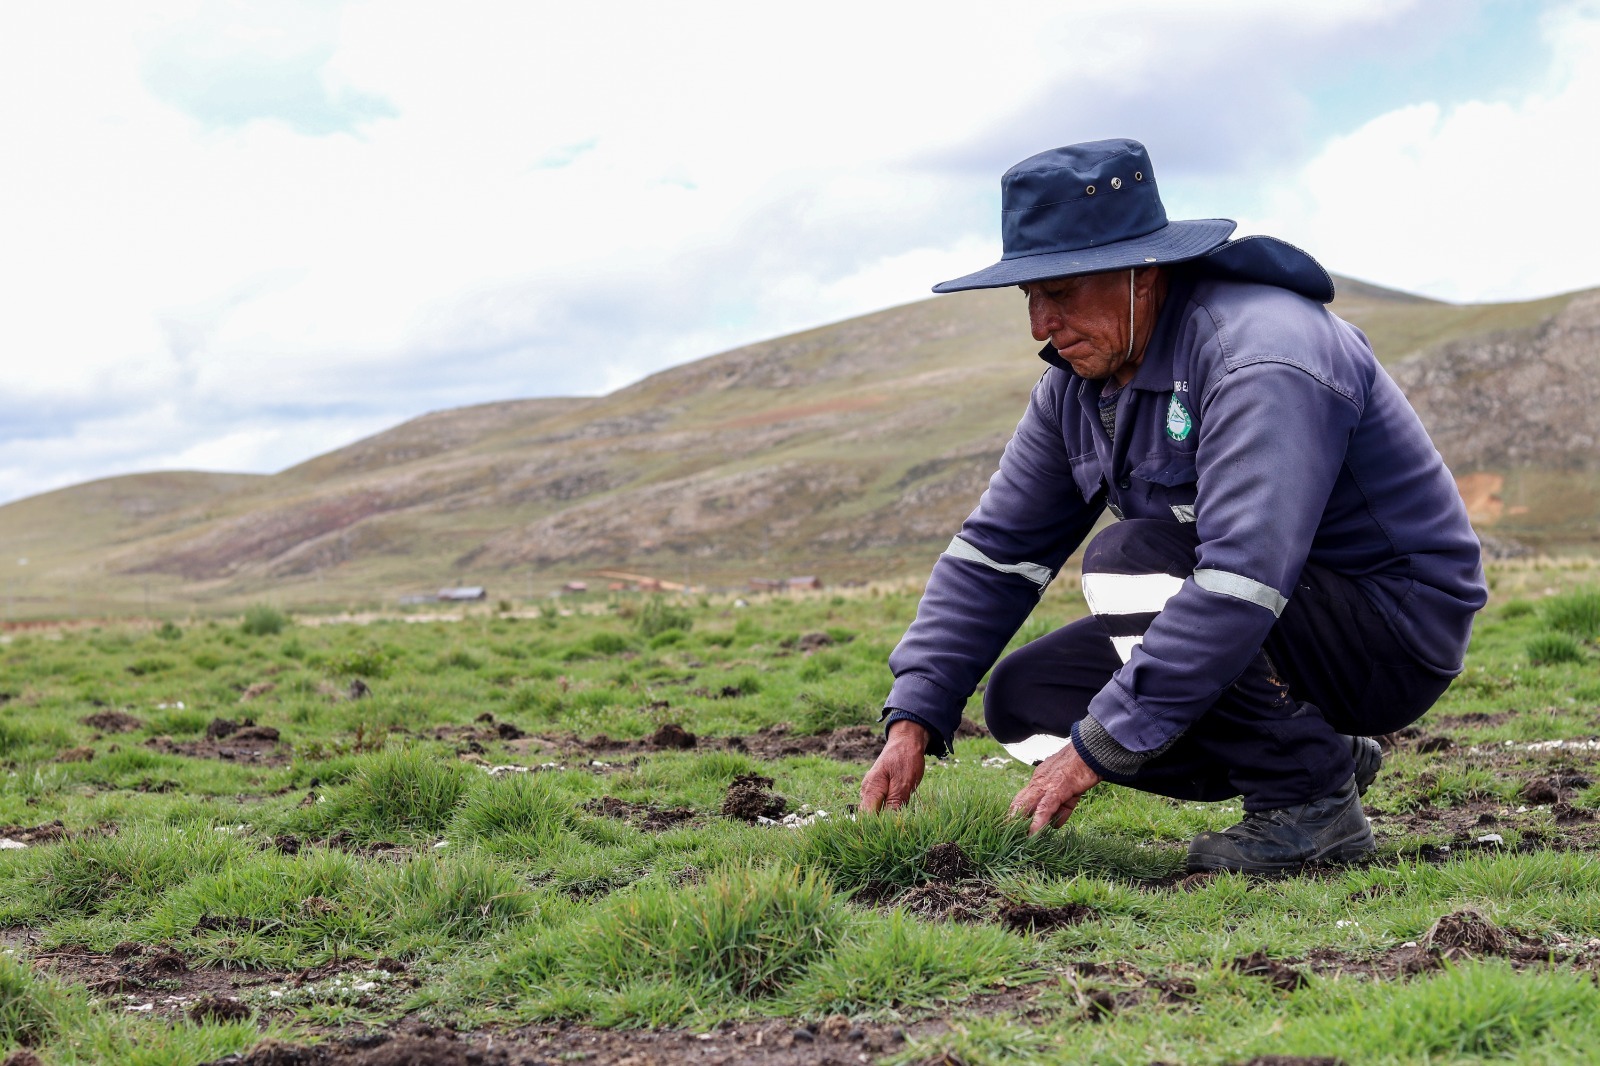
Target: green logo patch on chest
<point>1178,421</point>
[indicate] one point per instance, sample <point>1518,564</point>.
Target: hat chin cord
<point>1130,318</point>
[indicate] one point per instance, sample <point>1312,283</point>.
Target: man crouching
<point>1293,571</point>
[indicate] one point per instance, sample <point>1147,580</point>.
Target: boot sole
<point>1357,847</point>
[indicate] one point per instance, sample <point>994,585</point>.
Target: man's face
<point>1086,320</point>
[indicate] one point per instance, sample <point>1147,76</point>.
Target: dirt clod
<point>1279,974</point>
<point>359,689</point>
<point>1023,917</point>
<point>673,736</point>
<point>750,796</point>
<point>22,1057</point>
<point>948,863</point>
<point>218,1009</point>
<point>1429,745</point>
<point>112,722</point>
<point>507,731</point>
<point>813,641</point>
<point>48,833</point>
<point>220,728</point>
<point>1466,932</point>
<point>75,755</point>
<point>1540,790</point>
<point>1295,1060</point>
<point>647,816</point>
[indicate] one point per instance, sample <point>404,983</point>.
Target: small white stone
<point>1409,944</point>
<point>441,844</point>
<point>7,844</point>
<point>141,1008</point>
<point>1491,838</point>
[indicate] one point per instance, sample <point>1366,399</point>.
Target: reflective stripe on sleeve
<point>1241,588</point>
<point>1129,593</point>
<point>1039,575</point>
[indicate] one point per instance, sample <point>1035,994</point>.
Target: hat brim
<point>1175,242</point>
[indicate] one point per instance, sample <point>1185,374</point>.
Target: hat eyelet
<point>1089,191</point>
<point>1116,183</point>
<point>1138,175</point>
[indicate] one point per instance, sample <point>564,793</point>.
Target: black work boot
<point>1368,754</point>
<point>1332,829</point>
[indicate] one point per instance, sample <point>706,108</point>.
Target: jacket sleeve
<point>1273,438</point>
<point>983,587</point>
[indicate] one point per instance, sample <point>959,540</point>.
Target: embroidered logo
<point>1178,421</point>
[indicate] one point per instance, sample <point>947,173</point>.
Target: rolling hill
<point>851,451</point>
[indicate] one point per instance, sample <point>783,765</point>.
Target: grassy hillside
<point>851,451</point>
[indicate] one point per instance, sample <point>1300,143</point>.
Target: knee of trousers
<point>1143,546</point>
<point>1008,682</point>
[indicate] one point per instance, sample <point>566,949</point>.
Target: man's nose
<point>1043,317</point>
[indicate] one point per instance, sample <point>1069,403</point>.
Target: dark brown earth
<point>672,736</point>
<point>649,817</point>
<point>140,975</point>
<point>48,833</point>
<point>22,1057</point>
<point>1029,917</point>
<point>112,722</point>
<point>947,862</point>
<point>1275,972</point>
<point>750,796</point>
<point>253,746</point>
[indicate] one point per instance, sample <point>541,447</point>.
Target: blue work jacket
<point>1264,419</point>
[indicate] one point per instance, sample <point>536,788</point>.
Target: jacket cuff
<point>937,744</point>
<point>919,699</point>
<point>1101,751</point>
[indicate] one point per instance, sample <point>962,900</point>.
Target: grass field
<point>625,835</point>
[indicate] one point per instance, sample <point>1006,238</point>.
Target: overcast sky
<point>238,234</point>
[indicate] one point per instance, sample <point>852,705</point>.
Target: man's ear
<point>1145,278</point>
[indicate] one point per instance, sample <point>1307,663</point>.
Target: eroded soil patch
<point>153,980</point>
<point>650,817</point>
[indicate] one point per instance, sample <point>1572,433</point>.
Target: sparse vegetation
<point>527,824</point>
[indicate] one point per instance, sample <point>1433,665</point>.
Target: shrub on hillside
<point>658,615</point>
<point>260,620</point>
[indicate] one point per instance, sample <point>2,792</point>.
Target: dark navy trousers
<point>1330,666</point>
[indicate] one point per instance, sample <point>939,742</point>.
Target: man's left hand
<point>1058,783</point>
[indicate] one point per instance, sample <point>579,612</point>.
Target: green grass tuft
<point>1553,649</point>
<point>1577,613</point>
<point>261,620</point>
<point>402,791</point>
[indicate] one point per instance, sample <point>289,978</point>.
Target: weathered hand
<point>898,771</point>
<point>1058,783</point>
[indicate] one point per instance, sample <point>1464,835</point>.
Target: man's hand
<point>898,771</point>
<point>1058,783</point>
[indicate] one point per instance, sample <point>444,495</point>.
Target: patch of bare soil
<point>759,1042</point>
<point>229,741</point>
<point>750,796</point>
<point>1029,917</point>
<point>851,743</point>
<point>649,817</point>
<point>672,737</point>
<point>22,1057</point>
<point>1294,1060</point>
<point>933,900</point>
<point>112,722</point>
<point>1275,972</point>
<point>155,979</point>
<point>48,833</point>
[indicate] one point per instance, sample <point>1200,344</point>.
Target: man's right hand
<point>898,771</point>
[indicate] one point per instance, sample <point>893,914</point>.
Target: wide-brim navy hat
<point>1085,209</point>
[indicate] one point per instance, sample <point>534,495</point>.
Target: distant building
<point>804,583</point>
<point>575,586</point>
<point>465,594</point>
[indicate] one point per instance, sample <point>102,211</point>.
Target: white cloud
<point>1477,201</point>
<point>245,231</point>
